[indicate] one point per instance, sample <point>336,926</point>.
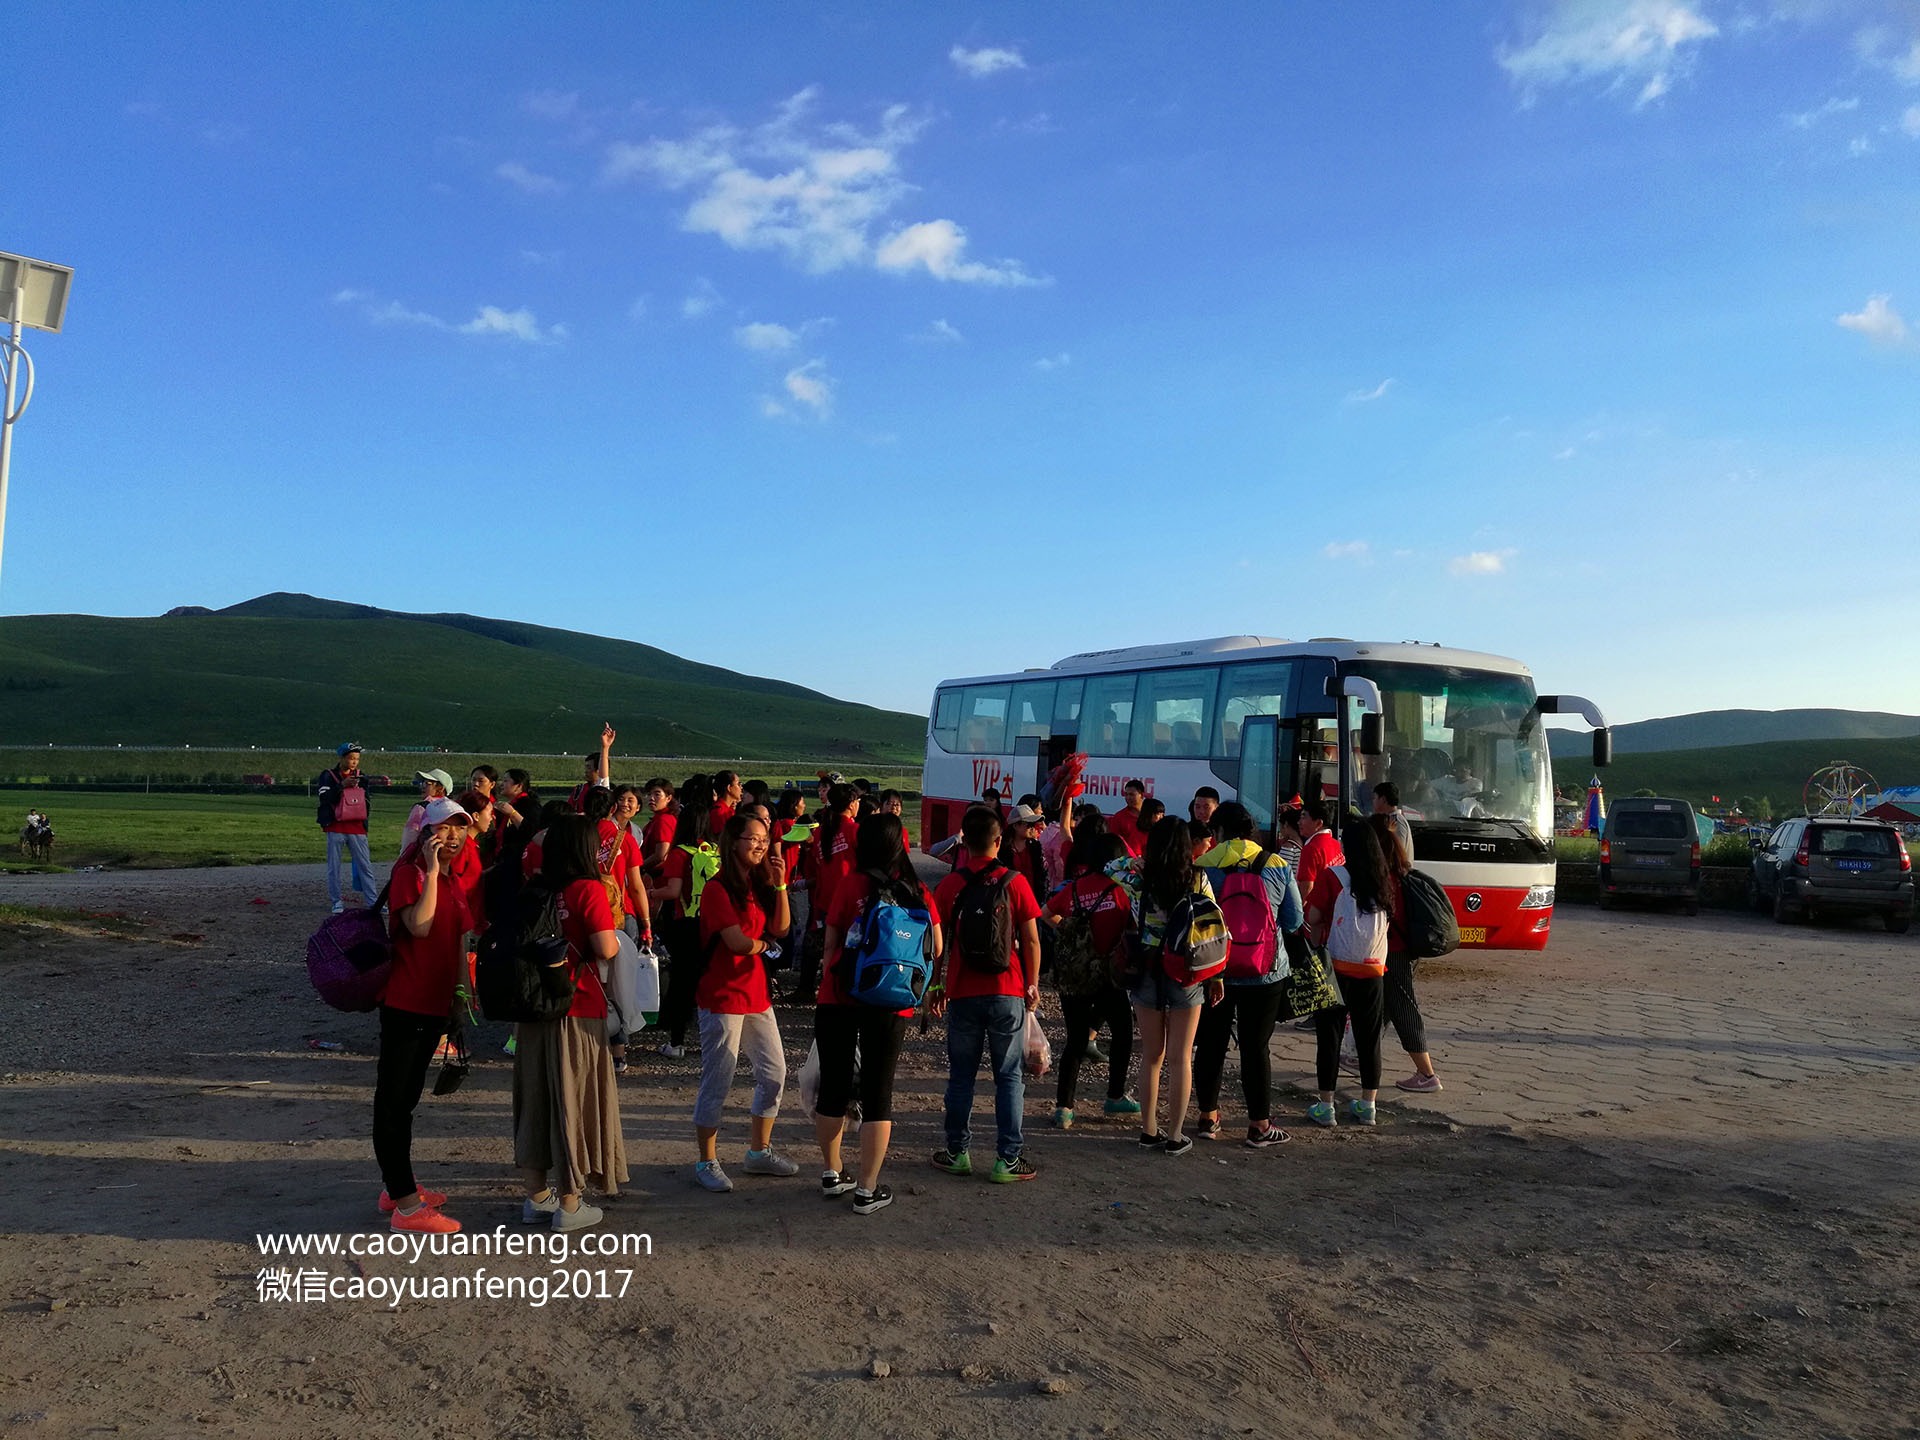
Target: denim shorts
<point>1154,990</point>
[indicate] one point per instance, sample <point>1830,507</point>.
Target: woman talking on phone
<point>428,924</point>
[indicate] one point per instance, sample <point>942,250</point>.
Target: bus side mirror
<point>1373,734</point>
<point>1602,747</point>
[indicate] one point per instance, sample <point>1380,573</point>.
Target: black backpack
<point>521,970</point>
<point>983,921</point>
<point>1431,927</point>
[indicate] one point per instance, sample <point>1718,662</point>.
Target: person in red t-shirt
<point>566,1104</point>
<point>843,1026</point>
<point>992,981</point>
<point>1125,822</point>
<point>727,791</point>
<point>1109,914</point>
<point>742,910</point>
<point>1362,983</point>
<point>829,858</point>
<point>427,920</point>
<point>659,821</point>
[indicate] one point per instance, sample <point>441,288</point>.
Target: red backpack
<point>1248,911</point>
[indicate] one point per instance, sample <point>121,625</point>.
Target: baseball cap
<point>440,810</point>
<point>350,748</point>
<point>439,777</point>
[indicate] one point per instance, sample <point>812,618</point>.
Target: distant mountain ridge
<point>294,671</point>
<point>1716,729</point>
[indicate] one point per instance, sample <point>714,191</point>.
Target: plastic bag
<point>632,981</point>
<point>1038,1054</point>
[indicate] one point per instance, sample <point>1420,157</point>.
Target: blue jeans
<point>356,846</point>
<point>997,1022</point>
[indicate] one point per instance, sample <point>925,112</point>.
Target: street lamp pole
<point>36,295</point>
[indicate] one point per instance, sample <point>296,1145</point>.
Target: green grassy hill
<point>1778,770</point>
<point>292,671</point>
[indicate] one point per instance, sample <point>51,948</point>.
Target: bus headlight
<point>1540,897</point>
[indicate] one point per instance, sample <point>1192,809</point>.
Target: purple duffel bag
<point>350,958</point>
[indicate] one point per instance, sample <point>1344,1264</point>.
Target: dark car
<point>1833,866</point>
<point>1650,848</point>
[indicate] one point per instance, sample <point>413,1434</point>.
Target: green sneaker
<point>961,1164</point>
<point>1125,1105</point>
<point>1063,1119</point>
<point>1006,1172</point>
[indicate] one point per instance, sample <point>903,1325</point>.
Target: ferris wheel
<point>1840,789</point>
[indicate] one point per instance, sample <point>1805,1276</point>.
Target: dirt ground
<point>1657,1267</point>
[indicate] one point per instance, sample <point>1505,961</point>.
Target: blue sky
<point>865,348</point>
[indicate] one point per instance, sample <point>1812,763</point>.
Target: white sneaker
<point>709,1176</point>
<point>578,1218</point>
<point>766,1162</point>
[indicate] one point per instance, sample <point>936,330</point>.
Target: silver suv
<point>1819,865</point>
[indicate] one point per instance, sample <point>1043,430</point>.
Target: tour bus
<point>1264,721</point>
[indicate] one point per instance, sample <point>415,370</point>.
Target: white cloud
<point>985,61</point>
<point>1615,43</point>
<point>811,386</point>
<point>1807,119</point>
<point>1481,562</point>
<point>1378,392</point>
<point>1910,121</point>
<point>811,190</point>
<point>1346,549</point>
<point>699,300</point>
<point>517,324</point>
<point>487,320</point>
<point>1877,320</point>
<point>529,181</point>
<point>552,104</point>
<point>766,337</point>
<point>1053,362</point>
<point>940,245</point>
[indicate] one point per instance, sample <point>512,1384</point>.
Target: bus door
<point>1262,770</point>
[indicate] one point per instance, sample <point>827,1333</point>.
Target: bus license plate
<point>1473,934</point>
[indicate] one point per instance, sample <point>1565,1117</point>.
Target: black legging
<point>1083,1015</point>
<point>1366,1007</point>
<point>407,1043</point>
<point>684,967</point>
<point>1402,1009</point>
<point>878,1034</point>
<point>1252,1010</point>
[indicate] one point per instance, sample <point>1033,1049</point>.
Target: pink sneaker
<point>1421,1084</point>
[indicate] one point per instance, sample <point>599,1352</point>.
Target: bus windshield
<point>1460,744</point>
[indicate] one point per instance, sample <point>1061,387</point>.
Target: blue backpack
<point>885,952</point>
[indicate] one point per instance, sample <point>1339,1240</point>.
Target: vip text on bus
<point>1459,735</point>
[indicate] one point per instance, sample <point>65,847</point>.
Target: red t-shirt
<point>962,979</point>
<point>833,862</point>
<point>660,829</point>
<point>848,901</point>
<point>1126,824</point>
<point>1316,855</point>
<point>1104,903</point>
<point>425,967</point>
<point>731,984</point>
<point>584,913</point>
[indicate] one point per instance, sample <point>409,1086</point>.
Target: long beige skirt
<point>566,1106</point>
